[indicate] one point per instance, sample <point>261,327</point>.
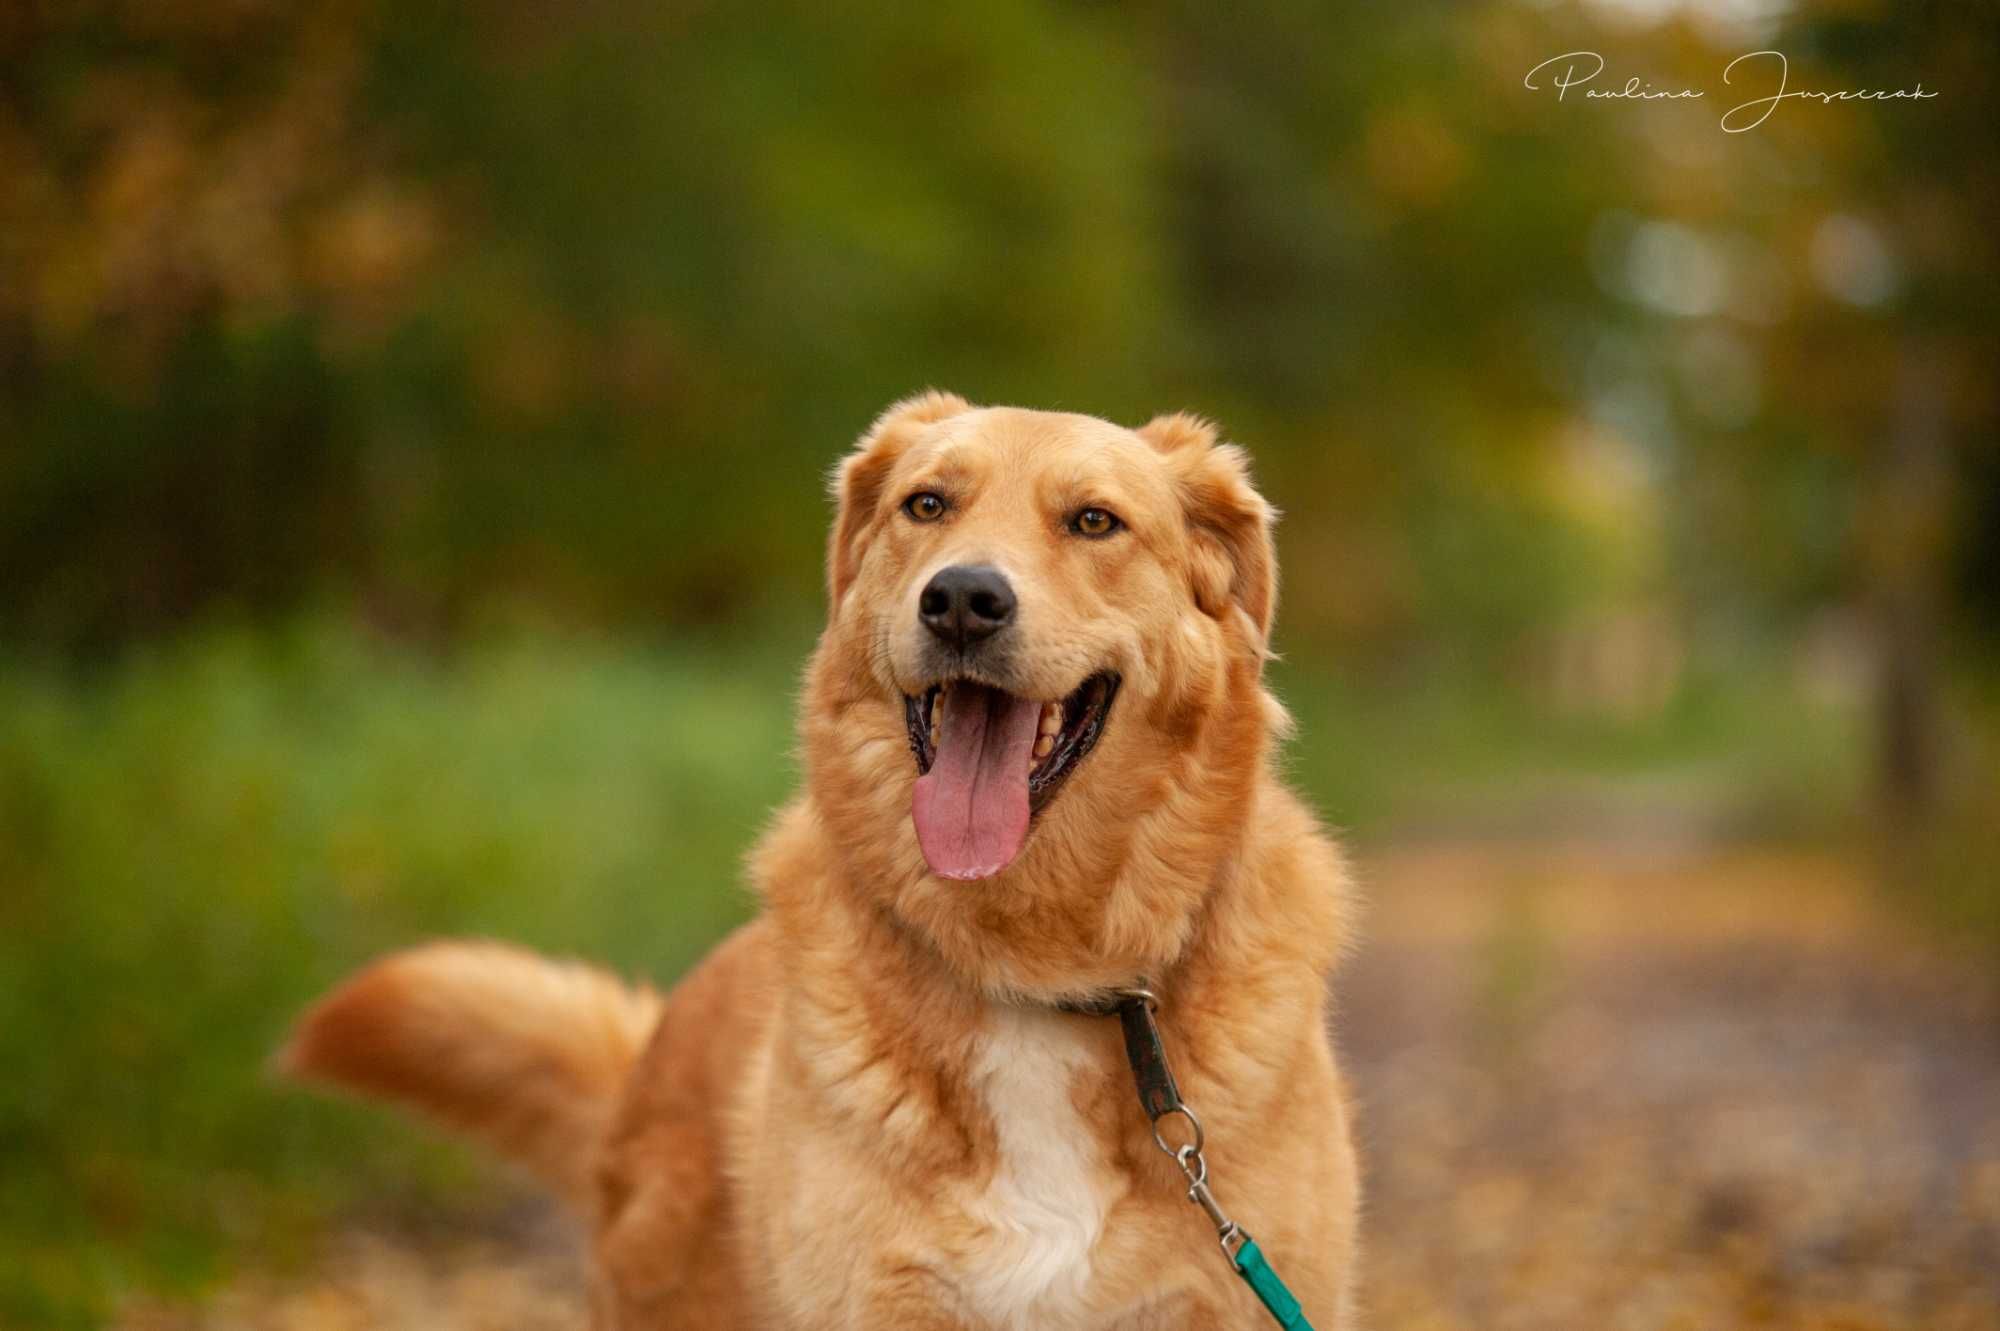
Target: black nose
<point>966,603</point>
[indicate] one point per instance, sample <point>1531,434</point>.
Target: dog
<point>1039,763</point>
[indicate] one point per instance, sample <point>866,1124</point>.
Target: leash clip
<point>1161,1099</point>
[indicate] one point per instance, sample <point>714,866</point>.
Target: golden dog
<point>1039,769</point>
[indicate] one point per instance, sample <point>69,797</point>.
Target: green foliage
<point>199,841</point>
<point>573,308</point>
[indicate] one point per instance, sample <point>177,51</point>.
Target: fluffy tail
<point>521,1053</point>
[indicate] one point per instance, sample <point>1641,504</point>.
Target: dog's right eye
<point>925,506</point>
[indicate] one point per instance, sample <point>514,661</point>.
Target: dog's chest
<point>1042,1211</point>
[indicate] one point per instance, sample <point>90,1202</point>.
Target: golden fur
<point>864,1109</point>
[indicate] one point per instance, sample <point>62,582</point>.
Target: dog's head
<point>1042,667</point>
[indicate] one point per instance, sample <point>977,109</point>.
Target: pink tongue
<point>971,808</point>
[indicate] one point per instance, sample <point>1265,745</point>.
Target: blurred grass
<point>196,840</point>
<point>1735,751</point>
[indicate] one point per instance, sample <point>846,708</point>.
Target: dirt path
<point>1603,1088</point>
<point>1648,1088</point>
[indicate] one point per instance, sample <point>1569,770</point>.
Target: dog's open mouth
<point>987,761</point>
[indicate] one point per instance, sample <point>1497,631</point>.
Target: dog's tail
<point>523,1054</point>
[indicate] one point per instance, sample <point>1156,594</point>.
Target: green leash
<point>1270,1290</point>
<point>1161,1099</point>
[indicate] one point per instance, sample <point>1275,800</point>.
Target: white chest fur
<point>1044,1207</point>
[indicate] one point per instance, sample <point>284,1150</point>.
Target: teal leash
<point>1270,1290</point>
<point>1161,1099</point>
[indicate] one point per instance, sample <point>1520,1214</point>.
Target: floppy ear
<point>858,480</point>
<point>1235,565</point>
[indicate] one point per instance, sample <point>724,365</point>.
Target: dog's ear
<point>1235,565</point>
<point>858,480</point>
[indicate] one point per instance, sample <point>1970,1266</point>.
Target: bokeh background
<point>413,424</point>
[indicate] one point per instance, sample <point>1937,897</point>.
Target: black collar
<point>1134,1006</point>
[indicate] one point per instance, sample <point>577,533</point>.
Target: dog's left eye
<point>1095,522</point>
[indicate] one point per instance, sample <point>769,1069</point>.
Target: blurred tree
<point>490,305</point>
<point>1934,182</point>
<point>1872,227</point>
<point>572,308</point>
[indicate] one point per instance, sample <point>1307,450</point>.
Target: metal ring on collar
<point>1142,993</point>
<point>1200,1138</point>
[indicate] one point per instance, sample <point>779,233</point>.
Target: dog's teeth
<point>1043,745</point>
<point>934,732</point>
<point>1051,718</point>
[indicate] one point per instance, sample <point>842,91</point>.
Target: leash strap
<point>1160,1097</point>
<point>1270,1290</point>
